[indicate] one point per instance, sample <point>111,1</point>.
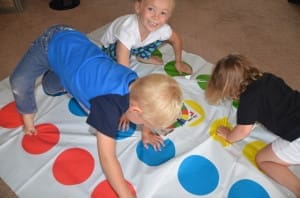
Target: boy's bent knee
<point>16,83</point>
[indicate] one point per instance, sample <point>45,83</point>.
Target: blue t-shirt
<point>96,81</point>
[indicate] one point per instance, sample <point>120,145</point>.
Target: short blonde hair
<point>160,98</point>
<point>230,77</point>
<point>173,3</point>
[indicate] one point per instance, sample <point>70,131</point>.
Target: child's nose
<point>155,15</point>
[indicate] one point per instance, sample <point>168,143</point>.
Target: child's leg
<point>23,78</point>
<point>22,83</point>
<point>51,84</point>
<point>33,64</point>
<point>155,60</point>
<point>144,54</point>
<point>277,169</point>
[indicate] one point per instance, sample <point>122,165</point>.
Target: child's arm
<point>239,132</point>
<point>111,166</point>
<point>150,138</point>
<point>176,42</point>
<point>122,54</point>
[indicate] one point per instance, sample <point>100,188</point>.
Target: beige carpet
<point>5,191</point>
<point>266,31</point>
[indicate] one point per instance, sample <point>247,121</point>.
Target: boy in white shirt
<point>141,33</point>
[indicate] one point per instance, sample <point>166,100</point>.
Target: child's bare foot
<point>155,60</point>
<point>29,128</point>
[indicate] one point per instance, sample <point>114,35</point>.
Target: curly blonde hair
<point>160,98</point>
<point>230,77</point>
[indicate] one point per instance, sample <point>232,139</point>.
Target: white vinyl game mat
<point>62,160</point>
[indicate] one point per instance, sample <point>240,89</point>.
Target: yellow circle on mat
<point>250,150</point>
<point>198,109</point>
<point>213,130</point>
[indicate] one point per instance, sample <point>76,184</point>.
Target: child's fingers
<point>187,69</point>
<point>123,125</point>
<point>146,146</point>
<point>160,141</point>
<point>156,146</point>
<point>155,141</point>
<point>222,132</point>
<point>184,68</point>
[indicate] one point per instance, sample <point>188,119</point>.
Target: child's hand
<point>223,131</point>
<point>182,67</point>
<point>151,138</point>
<point>123,123</point>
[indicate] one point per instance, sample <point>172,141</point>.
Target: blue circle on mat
<point>198,175</point>
<point>125,134</point>
<point>154,158</point>
<point>76,109</point>
<point>247,189</point>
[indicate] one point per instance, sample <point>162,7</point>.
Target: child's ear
<point>135,109</point>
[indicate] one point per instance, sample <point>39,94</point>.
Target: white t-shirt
<point>125,29</point>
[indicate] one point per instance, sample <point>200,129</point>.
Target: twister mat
<point>61,161</point>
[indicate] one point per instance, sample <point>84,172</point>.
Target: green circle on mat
<point>157,53</point>
<point>202,80</point>
<point>172,71</point>
<point>235,103</point>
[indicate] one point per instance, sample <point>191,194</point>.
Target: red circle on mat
<point>73,166</point>
<point>104,190</point>
<point>46,138</point>
<point>10,117</point>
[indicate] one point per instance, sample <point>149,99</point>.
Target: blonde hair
<point>160,98</point>
<point>230,77</point>
<point>172,3</point>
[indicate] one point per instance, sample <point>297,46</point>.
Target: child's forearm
<point>111,166</point>
<point>176,43</point>
<point>238,133</point>
<point>114,175</point>
<point>122,54</point>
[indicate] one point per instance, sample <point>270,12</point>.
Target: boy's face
<point>153,13</point>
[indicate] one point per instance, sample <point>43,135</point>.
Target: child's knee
<point>16,83</point>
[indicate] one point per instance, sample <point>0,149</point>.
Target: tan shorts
<point>287,151</point>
